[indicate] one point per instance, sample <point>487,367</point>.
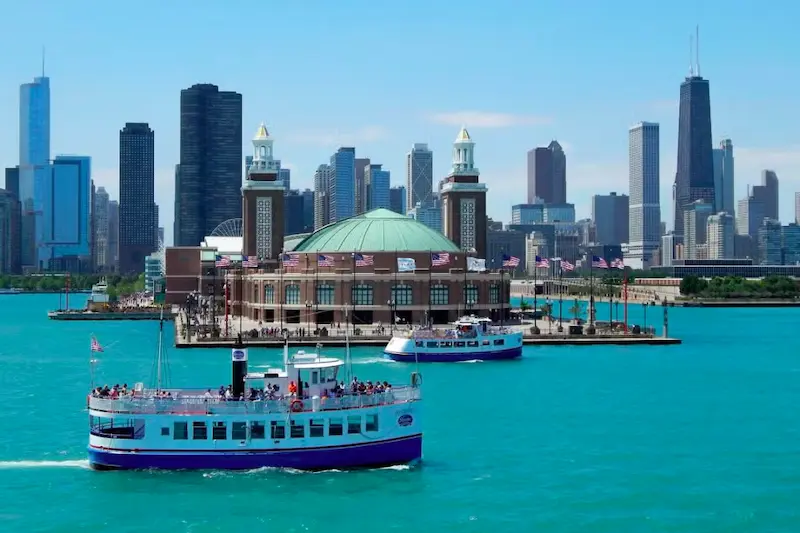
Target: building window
<point>264,227</point>
<point>402,295</point>
<point>255,293</point>
<point>269,294</point>
<point>293,294</point>
<point>325,293</point>
<point>494,294</point>
<point>440,295</point>
<point>467,223</point>
<point>471,294</point>
<point>362,295</point>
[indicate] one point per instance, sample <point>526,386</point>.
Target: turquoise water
<point>695,438</point>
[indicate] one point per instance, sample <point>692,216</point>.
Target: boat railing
<point>195,402</point>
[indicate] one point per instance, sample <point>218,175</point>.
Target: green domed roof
<point>379,230</point>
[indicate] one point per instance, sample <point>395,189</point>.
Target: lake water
<point>694,438</point>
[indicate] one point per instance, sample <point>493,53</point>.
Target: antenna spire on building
<point>697,49</point>
<point>691,55</point>
<point>43,56</point>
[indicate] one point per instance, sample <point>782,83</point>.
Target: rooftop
<point>379,230</point>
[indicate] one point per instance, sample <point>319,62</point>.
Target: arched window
<point>362,295</point>
<point>292,294</point>
<point>269,294</point>
<point>471,294</point>
<point>325,294</point>
<point>402,295</point>
<point>440,295</point>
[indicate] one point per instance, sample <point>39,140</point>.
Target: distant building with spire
<point>263,202</point>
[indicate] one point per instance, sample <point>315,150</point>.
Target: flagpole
<point>535,293</point>
<point>240,287</point>
<point>282,291</point>
<point>625,296</point>
<point>464,292</point>
<point>353,292</point>
<point>591,292</point>
<point>316,294</point>
<point>430,284</point>
<point>611,301</point>
<point>393,293</point>
<point>560,293</point>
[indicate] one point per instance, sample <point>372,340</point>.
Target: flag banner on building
<point>325,260</point>
<point>618,263</point>
<point>249,261</point>
<point>566,266</point>
<point>509,261</point>
<point>440,259</point>
<point>364,260</point>
<point>476,265</point>
<point>599,262</point>
<point>290,260</point>
<point>406,264</point>
<point>95,347</point>
<point>542,262</point>
<point>222,261</point>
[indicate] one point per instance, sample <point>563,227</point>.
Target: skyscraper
<point>644,226</point>
<point>34,171</point>
<point>610,215</point>
<point>113,235</point>
<point>547,174</point>
<point>397,199</point>
<point>341,185</point>
<point>695,224</point>
<point>769,181</point>
<point>720,236</point>
<point>138,222</point>
<point>376,185</point>
<point>100,217</point>
<point>797,208</point>
<point>210,175</point>
<point>694,179</point>
<point>66,217</point>
<point>723,177</point>
<point>14,264</point>
<point>362,198</point>
<point>419,175</point>
<point>749,214</point>
<point>285,176</point>
<point>322,177</point>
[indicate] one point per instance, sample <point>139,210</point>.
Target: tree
<point>524,306</point>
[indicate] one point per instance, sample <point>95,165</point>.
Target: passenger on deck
<point>208,394</point>
<point>292,388</point>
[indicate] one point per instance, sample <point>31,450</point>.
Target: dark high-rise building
<point>547,175</point>
<point>13,243</point>
<point>397,199</point>
<point>293,214</point>
<point>362,198</point>
<point>610,217</point>
<point>138,222</point>
<point>694,179</point>
<point>210,176</point>
<point>113,235</point>
<point>308,211</point>
<point>769,181</point>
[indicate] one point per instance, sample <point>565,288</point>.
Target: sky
<point>381,76</point>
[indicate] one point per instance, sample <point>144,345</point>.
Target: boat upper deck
<point>465,328</point>
<point>206,402</point>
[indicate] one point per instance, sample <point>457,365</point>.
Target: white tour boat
<point>470,339</point>
<point>302,416</point>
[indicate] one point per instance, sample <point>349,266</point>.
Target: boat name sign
<point>238,354</point>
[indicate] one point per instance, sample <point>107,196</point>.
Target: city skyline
<point>591,124</point>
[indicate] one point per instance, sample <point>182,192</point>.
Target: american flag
<point>618,263</point>
<point>567,266</point>
<point>325,260</point>
<point>249,261</point>
<point>290,260</point>
<point>222,261</point>
<point>599,262</point>
<point>96,346</point>
<point>440,259</point>
<point>542,262</point>
<point>509,261</point>
<point>364,260</point>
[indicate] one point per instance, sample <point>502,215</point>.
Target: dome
<point>379,230</point>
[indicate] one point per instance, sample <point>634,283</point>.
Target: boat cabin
<point>313,374</point>
<point>471,326</point>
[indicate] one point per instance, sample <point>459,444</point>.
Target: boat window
<point>314,377</point>
<point>419,344</point>
<point>335,427</point>
<point>165,432</point>
<point>486,343</point>
<point>239,431</point>
<point>219,431</point>
<point>372,423</point>
<point>278,430</point>
<point>499,342</point>
<point>459,344</point>
<point>180,431</point>
<point>433,344</point>
<point>199,431</point>
<point>472,344</point>
<point>257,430</point>
<point>446,344</point>
<point>316,428</point>
<point>353,425</point>
<point>297,430</point>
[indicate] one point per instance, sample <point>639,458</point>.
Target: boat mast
<point>347,359</point>
<point>159,355</point>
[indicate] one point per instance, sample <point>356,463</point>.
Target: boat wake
<point>471,361</point>
<point>75,463</point>
<point>294,471</point>
<point>373,360</point>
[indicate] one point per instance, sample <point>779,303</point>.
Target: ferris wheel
<point>230,228</point>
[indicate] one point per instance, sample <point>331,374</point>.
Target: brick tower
<point>262,202</point>
<point>464,199</point>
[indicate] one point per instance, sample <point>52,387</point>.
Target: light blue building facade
<point>34,171</point>
<point>377,182</point>
<point>66,215</point>
<point>342,185</point>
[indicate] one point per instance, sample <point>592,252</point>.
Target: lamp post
<point>392,305</point>
<point>644,305</point>
<point>308,313</point>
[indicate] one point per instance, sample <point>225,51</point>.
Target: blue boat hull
<point>455,357</point>
<point>370,455</point>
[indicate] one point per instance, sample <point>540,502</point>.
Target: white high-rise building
<point>419,175</point>
<point>644,220</point>
<point>723,178</point>
<point>720,236</point>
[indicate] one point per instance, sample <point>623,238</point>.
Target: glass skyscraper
<point>342,185</point>
<point>419,175</point>
<point>644,203</point>
<point>376,184</point>
<point>694,179</point>
<point>34,171</point>
<point>66,217</point>
<point>138,216</point>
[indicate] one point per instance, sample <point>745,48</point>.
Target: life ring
<point>296,406</point>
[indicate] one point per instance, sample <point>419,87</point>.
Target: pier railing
<point>185,401</point>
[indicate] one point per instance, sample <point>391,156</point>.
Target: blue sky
<point>382,76</point>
